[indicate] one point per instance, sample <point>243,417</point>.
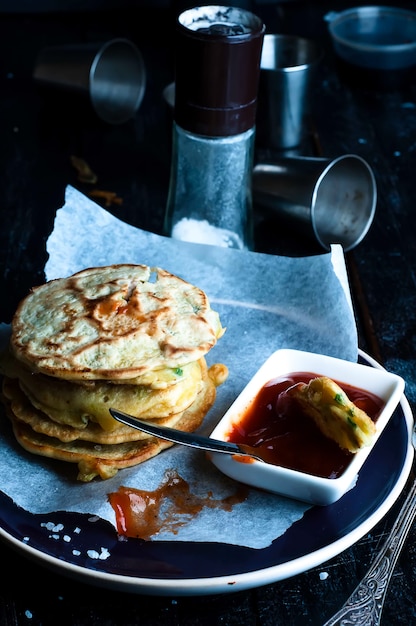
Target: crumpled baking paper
<point>266,303</point>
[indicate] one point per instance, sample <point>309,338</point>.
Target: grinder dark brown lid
<point>217,69</point>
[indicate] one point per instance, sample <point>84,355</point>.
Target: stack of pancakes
<point>128,337</point>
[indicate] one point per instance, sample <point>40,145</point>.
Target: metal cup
<point>111,74</point>
<point>333,200</point>
<point>286,70</point>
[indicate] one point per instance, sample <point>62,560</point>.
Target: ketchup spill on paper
<point>144,514</point>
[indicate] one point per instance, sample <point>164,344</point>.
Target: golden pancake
<point>104,460</point>
<point>124,336</point>
<point>24,411</point>
<point>76,405</point>
<point>113,323</point>
<point>154,379</point>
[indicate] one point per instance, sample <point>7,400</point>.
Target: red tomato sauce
<point>287,437</point>
<point>143,514</point>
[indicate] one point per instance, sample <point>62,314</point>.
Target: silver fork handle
<point>365,604</point>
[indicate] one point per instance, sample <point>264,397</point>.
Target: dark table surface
<point>40,130</point>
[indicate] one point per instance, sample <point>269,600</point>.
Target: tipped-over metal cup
<point>333,200</point>
<point>112,74</point>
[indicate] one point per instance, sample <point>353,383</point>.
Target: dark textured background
<point>40,130</point>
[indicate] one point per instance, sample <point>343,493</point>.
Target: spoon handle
<point>187,439</point>
<point>365,604</point>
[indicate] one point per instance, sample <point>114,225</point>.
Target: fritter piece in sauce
<point>333,412</point>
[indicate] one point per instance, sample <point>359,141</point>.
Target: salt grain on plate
<point>52,526</point>
<point>104,554</point>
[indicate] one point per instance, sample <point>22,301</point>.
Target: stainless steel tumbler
<point>333,200</point>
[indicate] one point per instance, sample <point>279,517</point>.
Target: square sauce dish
<point>302,462</point>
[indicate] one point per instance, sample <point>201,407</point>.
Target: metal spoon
<point>186,439</point>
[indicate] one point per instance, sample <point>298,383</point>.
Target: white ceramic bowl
<point>295,484</point>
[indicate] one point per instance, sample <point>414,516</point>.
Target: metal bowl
<point>373,36</point>
<point>379,40</point>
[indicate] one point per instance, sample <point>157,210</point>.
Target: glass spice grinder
<point>217,70</point>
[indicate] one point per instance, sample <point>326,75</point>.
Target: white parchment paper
<point>266,303</point>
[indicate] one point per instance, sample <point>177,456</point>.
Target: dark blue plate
<point>89,549</point>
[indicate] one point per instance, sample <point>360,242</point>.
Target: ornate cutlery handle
<point>365,604</point>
